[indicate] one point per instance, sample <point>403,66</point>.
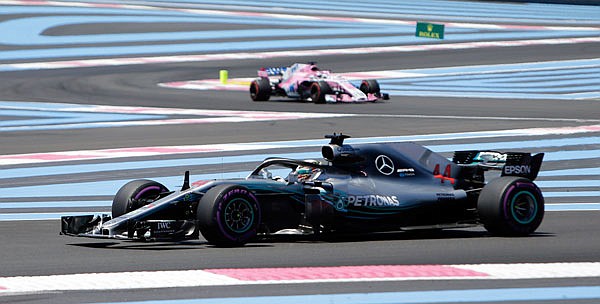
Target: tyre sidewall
<point>316,97</point>
<point>124,200</point>
<point>322,88</point>
<point>254,90</point>
<point>497,203</point>
<point>212,215</point>
<point>261,88</point>
<point>370,86</point>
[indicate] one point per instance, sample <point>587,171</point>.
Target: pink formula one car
<point>308,82</point>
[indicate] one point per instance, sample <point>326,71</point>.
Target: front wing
<point>92,226</point>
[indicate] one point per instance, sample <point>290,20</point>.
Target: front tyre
<point>228,216</point>
<point>318,90</point>
<point>511,206</point>
<point>135,194</point>
<point>260,89</point>
<point>370,86</point>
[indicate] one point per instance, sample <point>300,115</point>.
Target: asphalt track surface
<point>34,248</point>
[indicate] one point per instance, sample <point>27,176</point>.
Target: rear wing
<point>276,71</point>
<point>510,163</point>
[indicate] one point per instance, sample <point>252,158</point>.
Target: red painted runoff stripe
<point>345,272</point>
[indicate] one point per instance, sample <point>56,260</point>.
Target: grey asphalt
<point>35,248</point>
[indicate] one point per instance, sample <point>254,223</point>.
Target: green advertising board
<point>430,30</point>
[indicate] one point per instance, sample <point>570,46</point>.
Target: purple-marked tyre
<point>228,216</point>
<point>511,206</point>
<point>135,194</point>
<point>260,89</point>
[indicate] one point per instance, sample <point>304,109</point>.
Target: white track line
<point>224,277</point>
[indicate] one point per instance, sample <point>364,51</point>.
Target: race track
<point>96,93</point>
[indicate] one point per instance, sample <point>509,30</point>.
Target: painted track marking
<point>562,294</point>
<point>285,54</point>
<point>150,151</point>
<point>61,116</point>
<point>37,17</point>
<point>293,275</point>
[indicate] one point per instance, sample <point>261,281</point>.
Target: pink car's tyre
<point>370,86</point>
<point>260,89</point>
<point>318,90</point>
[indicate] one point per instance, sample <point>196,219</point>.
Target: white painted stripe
<point>119,280</point>
<point>193,278</point>
<point>536,271</point>
<point>289,53</point>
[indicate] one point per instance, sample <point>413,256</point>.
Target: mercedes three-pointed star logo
<point>384,164</point>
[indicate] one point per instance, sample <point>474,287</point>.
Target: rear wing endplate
<point>510,163</point>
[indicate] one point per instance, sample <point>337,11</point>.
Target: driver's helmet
<point>304,173</point>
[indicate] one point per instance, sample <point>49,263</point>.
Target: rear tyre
<point>370,86</point>
<point>318,90</point>
<point>511,206</point>
<point>228,216</point>
<point>260,89</point>
<point>135,194</point>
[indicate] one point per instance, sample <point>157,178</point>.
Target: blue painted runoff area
<point>443,9</point>
<point>6,217</point>
<point>48,118</point>
<point>288,33</point>
<point>266,44</point>
<point>58,204</point>
<point>449,10</point>
<point>569,79</point>
<point>410,297</point>
<point>574,172</point>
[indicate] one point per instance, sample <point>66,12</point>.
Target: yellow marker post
<point>223,75</point>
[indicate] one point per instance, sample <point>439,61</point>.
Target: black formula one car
<point>357,188</point>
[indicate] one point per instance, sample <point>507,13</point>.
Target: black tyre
<point>260,89</point>
<point>228,216</point>
<point>511,206</point>
<point>318,90</point>
<point>136,194</point>
<point>370,86</point>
